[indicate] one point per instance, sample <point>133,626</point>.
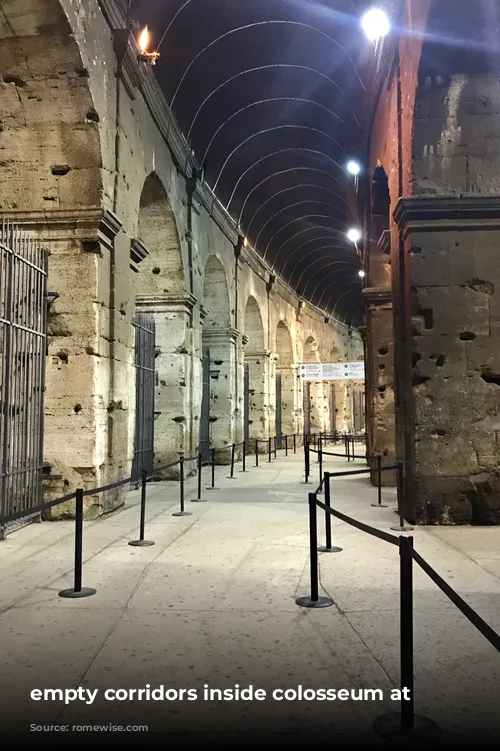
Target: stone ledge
<point>447,213</point>
<point>384,243</point>
<point>377,295</point>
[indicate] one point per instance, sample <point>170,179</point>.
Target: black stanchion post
<point>307,460</point>
<point>353,447</point>
<point>181,489</point>
<point>270,448</point>
<point>256,452</point>
<point>78,591</point>
<point>328,518</point>
<point>212,462</point>
<point>403,527</point>
<point>141,542</point>
<point>244,469</point>
<point>199,499</point>
<point>275,447</point>
<point>379,504</point>
<point>233,453</point>
<point>320,460</point>
<point>320,448</point>
<point>286,445</point>
<point>294,443</point>
<point>314,601</point>
<point>406,726</point>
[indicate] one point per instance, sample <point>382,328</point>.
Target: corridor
<point>213,602</point>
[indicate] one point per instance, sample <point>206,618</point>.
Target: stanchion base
<point>231,478</point>
<point>212,488</point>
<point>330,550</point>
<point>424,732</point>
<point>402,529</point>
<point>380,505</point>
<point>199,500</point>
<point>182,513</point>
<point>321,602</point>
<point>141,543</point>
<point>71,594</point>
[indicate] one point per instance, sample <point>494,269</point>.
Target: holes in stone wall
<point>467,336</point>
<point>479,285</point>
<point>415,358</point>
<point>381,366</point>
<point>15,80</point>
<point>156,271</point>
<point>383,351</point>
<point>440,361</point>
<point>82,72</point>
<point>92,116</point>
<point>419,380</point>
<point>428,316</point>
<point>439,433</point>
<point>60,170</point>
<point>489,377</point>
<point>77,408</point>
<point>62,357</point>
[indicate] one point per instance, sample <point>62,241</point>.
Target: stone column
<point>260,368</point>
<point>288,399</point>
<point>175,348</point>
<point>223,373</point>
<point>450,389</point>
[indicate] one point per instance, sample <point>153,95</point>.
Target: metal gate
<point>205,407</point>
<point>246,408</point>
<point>23,349</point>
<point>307,408</point>
<point>145,384</point>
<point>333,407</point>
<point>279,410</point>
<point>359,410</point>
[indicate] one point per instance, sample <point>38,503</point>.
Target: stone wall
<point>97,168</point>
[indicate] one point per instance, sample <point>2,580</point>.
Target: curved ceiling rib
<point>271,98</point>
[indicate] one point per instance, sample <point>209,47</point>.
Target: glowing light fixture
<point>354,235</point>
<point>353,168</point>
<point>376,24</point>
<point>361,274</point>
<point>143,43</point>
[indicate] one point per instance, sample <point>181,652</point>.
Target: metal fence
<point>145,375</point>
<point>23,349</point>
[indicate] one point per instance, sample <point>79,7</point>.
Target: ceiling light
<point>361,274</point>
<point>376,24</point>
<point>354,235</point>
<point>353,168</point>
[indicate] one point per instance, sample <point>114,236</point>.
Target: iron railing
<point>23,348</point>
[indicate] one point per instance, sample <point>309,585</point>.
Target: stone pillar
<point>260,368</point>
<point>288,399</point>
<point>451,388</point>
<point>223,374</point>
<point>174,400</point>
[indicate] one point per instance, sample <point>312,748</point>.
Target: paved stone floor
<point>213,602</point>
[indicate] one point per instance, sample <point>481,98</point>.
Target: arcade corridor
<point>232,230</point>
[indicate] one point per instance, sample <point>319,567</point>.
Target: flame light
<point>143,42</point>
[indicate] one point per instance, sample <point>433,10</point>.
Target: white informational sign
<point>333,371</point>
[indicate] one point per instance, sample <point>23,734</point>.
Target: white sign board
<point>333,371</point>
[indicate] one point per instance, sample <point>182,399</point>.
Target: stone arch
<point>51,181</point>
<point>285,382</point>
<point>162,271</point>
<point>219,353</point>
<point>257,372</point>
<point>313,392</point>
<point>161,292</point>
<point>50,144</point>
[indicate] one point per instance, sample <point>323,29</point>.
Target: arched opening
<point>51,183</point>
<point>162,303</point>
<point>219,364</point>
<point>285,383</point>
<point>314,407</point>
<point>256,363</point>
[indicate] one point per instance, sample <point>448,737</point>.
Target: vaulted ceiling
<point>271,95</point>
